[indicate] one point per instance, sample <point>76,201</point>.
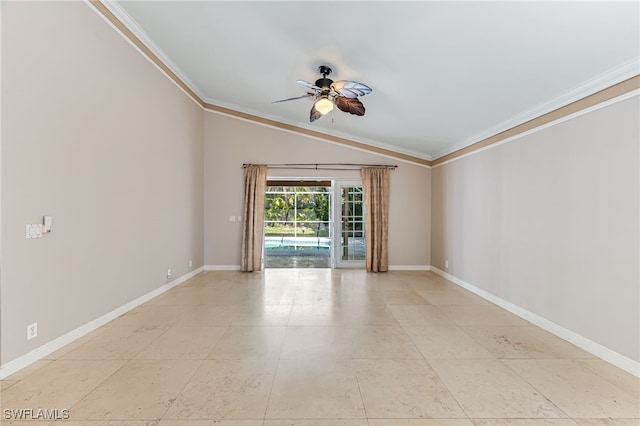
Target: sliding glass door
<point>314,224</point>
<point>349,225</point>
<point>297,224</point>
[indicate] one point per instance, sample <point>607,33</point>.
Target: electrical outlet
<point>168,273</point>
<point>32,331</point>
<point>446,264</point>
<point>190,263</point>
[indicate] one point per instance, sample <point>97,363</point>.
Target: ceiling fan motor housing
<point>324,83</point>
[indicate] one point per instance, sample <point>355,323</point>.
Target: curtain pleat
<point>375,186</point>
<point>255,182</point>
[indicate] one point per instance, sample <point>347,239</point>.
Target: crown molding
<point>121,15</point>
<point>466,153</point>
<point>363,144</point>
<point>610,83</point>
<point>121,21</point>
<point>597,84</point>
<point>629,86</point>
<point>325,137</point>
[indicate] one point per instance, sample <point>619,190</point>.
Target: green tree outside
<point>297,211</point>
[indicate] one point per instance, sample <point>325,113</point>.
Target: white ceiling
<point>444,74</point>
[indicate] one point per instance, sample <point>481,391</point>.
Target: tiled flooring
<point>293,260</point>
<point>317,347</point>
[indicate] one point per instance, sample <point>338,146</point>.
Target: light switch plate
<point>34,230</point>
<point>47,224</point>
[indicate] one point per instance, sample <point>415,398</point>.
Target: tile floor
<point>319,347</point>
<point>302,261</point>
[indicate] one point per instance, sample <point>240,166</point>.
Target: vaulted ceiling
<point>444,74</point>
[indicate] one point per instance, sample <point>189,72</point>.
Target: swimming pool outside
<point>297,243</point>
<point>305,252</point>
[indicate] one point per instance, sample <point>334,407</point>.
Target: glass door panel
<point>349,216</point>
<point>297,226</point>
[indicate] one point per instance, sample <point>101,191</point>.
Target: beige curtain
<point>375,185</point>
<point>255,182</point>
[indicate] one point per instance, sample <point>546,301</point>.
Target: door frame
<point>336,224</point>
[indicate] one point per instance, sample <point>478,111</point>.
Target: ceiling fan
<point>326,93</point>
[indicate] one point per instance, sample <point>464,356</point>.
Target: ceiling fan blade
<point>315,114</point>
<point>350,105</point>
<point>307,84</point>
<point>308,95</point>
<point>350,89</point>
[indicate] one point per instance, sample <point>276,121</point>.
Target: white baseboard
<point>391,267</point>
<point>40,352</point>
<point>222,267</point>
<point>409,267</point>
<point>612,357</point>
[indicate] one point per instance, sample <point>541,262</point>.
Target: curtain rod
<point>324,166</point>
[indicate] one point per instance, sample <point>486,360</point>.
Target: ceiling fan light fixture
<point>324,105</point>
<point>327,93</point>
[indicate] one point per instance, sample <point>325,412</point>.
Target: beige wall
<point>94,135</point>
<point>230,142</point>
<point>549,223</point>
<point>139,179</point>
